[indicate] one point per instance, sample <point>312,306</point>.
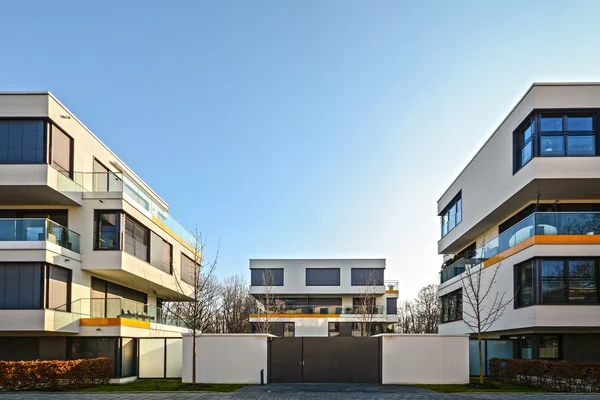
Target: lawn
<point>501,387</point>
<point>163,385</point>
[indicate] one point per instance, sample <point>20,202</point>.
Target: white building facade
<point>528,204</point>
<point>88,251</point>
<point>323,297</point>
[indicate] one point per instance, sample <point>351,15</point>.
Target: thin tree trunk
<point>194,357</point>
<point>480,358</point>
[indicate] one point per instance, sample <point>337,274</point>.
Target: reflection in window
<point>452,215</point>
<point>549,345</point>
<point>552,146</point>
<point>525,285</point>
<point>107,230</point>
<point>22,142</point>
<point>61,151</point>
<point>553,282</point>
<point>289,329</point>
<point>136,238</point>
<point>526,348</point>
<point>452,306</point>
<point>334,329</point>
<point>582,281</point>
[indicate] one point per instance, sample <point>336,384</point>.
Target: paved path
<point>305,391</point>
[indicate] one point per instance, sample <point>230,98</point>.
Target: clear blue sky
<point>299,128</point>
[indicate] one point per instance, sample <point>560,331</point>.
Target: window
<point>391,305</point>
<point>160,253</point>
<point>558,281</point>
<point>567,133</point>
<point>107,230</point>
<point>61,153</point>
<point>289,329</point>
<point>526,347</point>
<point>366,276</point>
<point>22,142</point>
<point>334,329</point>
<point>452,306</point>
<point>322,277</point>
<point>20,286</point>
<point>136,238</point>
<point>525,284</point>
<point>452,215</point>
<point>266,277</point>
<point>104,179</point>
<point>59,288</point>
<point>188,269</point>
<point>549,347</point>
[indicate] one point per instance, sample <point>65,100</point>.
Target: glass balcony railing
<point>36,230</point>
<point>541,223</point>
<point>118,182</point>
<point>123,308</point>
<point>391,286</point>
<point>380,310</point>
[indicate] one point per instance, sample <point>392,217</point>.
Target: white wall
<point>226,358</point>
<point>410,359</point>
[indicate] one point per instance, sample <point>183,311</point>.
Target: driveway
<point>299,391</point>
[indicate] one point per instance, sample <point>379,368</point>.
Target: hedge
<point>555,376</point>
<point>56,374</point>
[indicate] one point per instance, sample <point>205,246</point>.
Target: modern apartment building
<point>322,297</point>
<point>529,202</point>
<point>88,251</point>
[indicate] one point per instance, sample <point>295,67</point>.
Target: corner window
<point>549,347</point>
<point>160,253</point>
<point>61,151</point>
<point>452,214</point>
<point>334,329</point>
<point>568,133</point>
<point>59,285</point>
<point>266,277</point>
<point>188,270</point>
<point>136,238</point>
<point>525,284</point>
<point>21,286</point>
<point>22,142</point>
<point>452,306</point>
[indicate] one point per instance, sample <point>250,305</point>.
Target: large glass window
<point>188,269</point>
<point>266,277</point>
<point>558,281</point>
<point>366,276</point>
<point>525,283</point>
<point>61,155</point>
<point>22,142</point>
<point>289,329</point>
<point>160,253</point>
<point>136,238</point>
<point>452,215</point>
<point>107,230</point>
<point>322,277</point>
<point>567,133</point>
<point>20,285</point>
<point>452,306</point>
<point>334,329</point>
<point>549,347</point>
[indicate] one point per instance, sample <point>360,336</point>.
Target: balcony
<point>123,308</point>
<point>35,230</point>
<point>391,287</point>
<point>117,182</point>
<point>574,227</point>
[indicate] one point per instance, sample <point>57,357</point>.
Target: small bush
<point>56,374</point>
<point>555,376</point>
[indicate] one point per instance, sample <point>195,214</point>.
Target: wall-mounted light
<point>65,116</point>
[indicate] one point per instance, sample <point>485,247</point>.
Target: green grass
<point>501,387</point>
<point>163,385</point>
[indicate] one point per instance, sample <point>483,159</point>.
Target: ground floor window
<point>533,347</point>
<point>334,329</point>
<point>289,329</point>
<point>452,306</point>
<point>549,347</point>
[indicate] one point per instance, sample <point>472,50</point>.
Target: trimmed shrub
<point>56,374</point>
<point>555,376</point>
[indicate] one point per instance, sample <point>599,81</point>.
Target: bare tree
<point>367,308</point>
<point>428,310</point>
<point>267,303</point>
<point>485,303</point>
<point>196,310</point>
<point>236,303</point>
<point>406,317</point>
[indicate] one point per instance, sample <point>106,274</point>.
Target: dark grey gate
<point>325,360</point>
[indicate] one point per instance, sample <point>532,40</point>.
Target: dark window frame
<point>535,117</point>
<point>362,283</point>
<point>444,300</point>
<point>267,269</point>
<point>538,299</point>
<point>321,269</point>
<point>53,126</point>
<point>456,201</point>
<point>46,140</point>
<point>69,286</point>
<point>119,229</point>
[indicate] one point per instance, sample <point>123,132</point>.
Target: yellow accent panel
<point>114,322</point>
<point>170,232</point>
<point>295,315</point>
<point>543,239</point>
<point>391,291</point>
